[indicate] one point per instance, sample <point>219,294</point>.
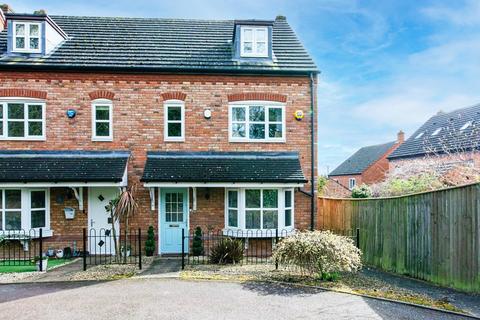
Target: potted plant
<point>44,260</point>
<point>126,250</point>
<point>150,243</point>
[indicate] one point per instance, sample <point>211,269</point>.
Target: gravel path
<point>176,299</point>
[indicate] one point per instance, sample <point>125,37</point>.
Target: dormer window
<point>254,41</point>
<point>26,37</point>
<point>437,131</point>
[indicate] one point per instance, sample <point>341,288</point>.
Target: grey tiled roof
<point>280,167</point>
<point>162,44</point>
<point>449,138</point>
<point>62,166</point>
<point>362,159</point>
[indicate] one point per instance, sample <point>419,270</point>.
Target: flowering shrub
<point>319,252</point>
<point>362,191</point>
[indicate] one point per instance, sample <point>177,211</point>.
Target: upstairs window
<point>21,120</point>
<point>254,41</point>
<point>174,126</point>
<point>26,37</point>
<point>257,121</point>
<point>352,182</point>
<point>102,120</point>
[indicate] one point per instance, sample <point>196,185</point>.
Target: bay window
<point>257,121</point>
<point>24,209</point>
<point>22,120</point>
<point>259,208</point>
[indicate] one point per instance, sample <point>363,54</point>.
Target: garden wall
<point>433,236</point>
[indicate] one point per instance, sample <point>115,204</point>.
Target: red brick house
<point>198,114</point>
<point>443,142</point>
<point>366,166</point>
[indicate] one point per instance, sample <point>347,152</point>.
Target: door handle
<point>92,222</point>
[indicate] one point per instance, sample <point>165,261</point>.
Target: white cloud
<point>466,15</point>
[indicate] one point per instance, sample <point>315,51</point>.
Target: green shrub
<point>362,191</point>
<point>197,243</point>
<point>322,183</point>
<point>150,243</point>
<point>227,250</point>
<point>320,253</point>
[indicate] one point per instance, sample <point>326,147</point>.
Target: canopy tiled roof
<point>261,167</point>
<point>161,45</point>
<point>62,166</point>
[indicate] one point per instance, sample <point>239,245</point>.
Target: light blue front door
<point>173,218</point>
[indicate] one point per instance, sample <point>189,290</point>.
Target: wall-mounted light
<point>207,113</point>
<point>71,113</point>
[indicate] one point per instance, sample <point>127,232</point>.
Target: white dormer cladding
<point>32,34</point>
<point>252,40</point>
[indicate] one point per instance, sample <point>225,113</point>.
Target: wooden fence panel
<point>434,236</point>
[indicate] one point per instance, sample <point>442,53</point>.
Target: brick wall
<point>138,126</point>
<point>378,170</point>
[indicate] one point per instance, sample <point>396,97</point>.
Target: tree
<point>126,207</point>
<point>197,242</point>
<point>150,243</point>
<point>121,209</point>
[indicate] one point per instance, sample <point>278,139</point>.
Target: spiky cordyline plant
<point>126,208</point>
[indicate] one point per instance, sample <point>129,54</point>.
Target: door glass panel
<point>174,207</point>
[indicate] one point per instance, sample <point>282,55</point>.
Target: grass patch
<point>12,266</point>
<point>357,283</point>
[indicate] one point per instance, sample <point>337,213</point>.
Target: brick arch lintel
<point>102,94</point>
<point>174,95</point>
<point>263,96</point>
<point>23,93</point>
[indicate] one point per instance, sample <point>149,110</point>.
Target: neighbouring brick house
<point>366,166</point>
<point>198,114</point>
<point>443,141</point>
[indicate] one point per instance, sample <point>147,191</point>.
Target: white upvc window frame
<point>247,105</point>
<point>26,209</point>
<point>26,36</point>
<point>173,104</point>
<point>26,102</point>
<point>102,103</point>
<point>352,182</point>
<point>241,212</point>
<point>255,41</point>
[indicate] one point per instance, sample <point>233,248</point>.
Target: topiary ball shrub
<point>150,243</point>
<point>319,253</point>
<point>197,243</point>
<point>227,250</point>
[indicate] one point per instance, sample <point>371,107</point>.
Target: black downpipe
<point>312,149</point>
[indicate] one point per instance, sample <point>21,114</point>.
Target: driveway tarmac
<point>177,299</point>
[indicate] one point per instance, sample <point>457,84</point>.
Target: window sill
<point>23,139</point>
<point>174,140</point>
<point>257,141</point>
<point>102,139</point>
<point>258,233</point>
<point>24,235</point>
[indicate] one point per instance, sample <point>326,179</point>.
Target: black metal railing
<point>103,247</point>
<point>257,245</point>
<point>21,247</point>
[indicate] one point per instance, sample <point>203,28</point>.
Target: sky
<point>386,65</point>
